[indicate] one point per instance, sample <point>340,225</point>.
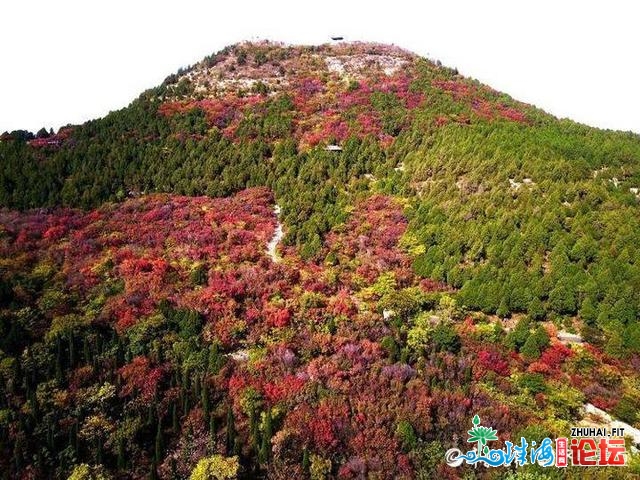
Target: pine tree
<point>542,337</point>
<point>530,350</point>
<point>615,345</point>
<point>535,309</point>
<point>503,310</point>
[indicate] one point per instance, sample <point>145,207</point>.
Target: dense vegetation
<point>426,269</point>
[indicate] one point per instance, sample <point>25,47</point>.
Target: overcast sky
<point>69,61</point>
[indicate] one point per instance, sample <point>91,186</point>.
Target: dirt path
<point>277,236</point>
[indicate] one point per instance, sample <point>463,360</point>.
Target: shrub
<point>533,382</point>
<point>216,467</point>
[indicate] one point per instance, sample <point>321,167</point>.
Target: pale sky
<point>69,61</point>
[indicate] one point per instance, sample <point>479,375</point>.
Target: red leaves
<point>152,244</point>
<point>318,358</point>
<point>140,378</point>
<point>226,284</point>
<point>52,141</point>
<point>322,110</point>
<point>307,88</point>
<point>224,113</point>
<point>604,403</point>
<point>429,285</point>
<point>278,317</point>
<point>371,237</point>
<point>490,360</point>
<point>482,100</point>
<point>154,266</point>
<point>283,389</point>
<point>55,233</point>
<point>328,423</point>
<point>457,88</point>
<point>342,304</point>
<point>511,113</point>
<point>236,384</point>
<point>555,355</point>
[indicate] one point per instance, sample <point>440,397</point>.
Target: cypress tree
<point>86,351</point>
<point>306,463</point>
<point>121,463</point>
<point>17,453</point>
<point>265,447</point>
<point>196,388</point>
<point>72,351</point>
<point>159,442</point>
<point>174,418</point>
<point>231,431</point>
<point>99,450</point>
<point>204,394</point>
<point>254,428</point>
<point>59,359</point>
<point>153,473</point>
<point>174,469</point>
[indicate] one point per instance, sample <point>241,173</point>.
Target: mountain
<point>441,243</point>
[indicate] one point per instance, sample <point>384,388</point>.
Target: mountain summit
<point>335,91</point>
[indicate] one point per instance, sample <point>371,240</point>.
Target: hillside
<point>438,237</point>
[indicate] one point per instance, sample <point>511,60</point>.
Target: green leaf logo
<point>481,435</point>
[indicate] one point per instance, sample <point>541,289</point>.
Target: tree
<point>562,299</point>
<point>428,463</point>
<point>535,309</point>
<point>542,337</point>
<point>43,133</point>
<point>306,462</point>
<point>530,350</point>
<point>320,467</point>
<point>407,435</point>
<point>533,382</point>
<point>85,472</point>
<point>627,409</point>
<point>588,311</point>
<point>391,347</point>
<point>420,333</point>
<point>216,467</point>
<point>267,433</point>
<point>632,337</point>
<point>623,311</point>
<point>159,444</point>
<point>446,338</point>
<point>503,310</point>
<point>231,430</point>
<point>516,338</point>
<point>614,345</point>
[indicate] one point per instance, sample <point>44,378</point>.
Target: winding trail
<point>277,236</point>
<point>601,418</point>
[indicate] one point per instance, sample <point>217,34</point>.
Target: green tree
<point>562,299</point>
<point>614,345</point>
<point>535,309</point>
<point>407,435</point>
<point>530,350</point>
<point>446,338</point>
